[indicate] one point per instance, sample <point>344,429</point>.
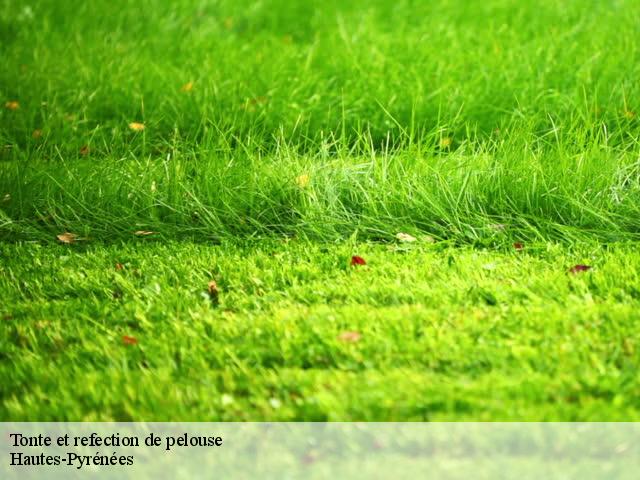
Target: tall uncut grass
<point>464,120</point>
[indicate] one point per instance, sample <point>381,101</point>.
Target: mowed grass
<point>262,144</point>
<point>434,332</point>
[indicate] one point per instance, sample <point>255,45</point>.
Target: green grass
<point>438,116</point>
<point>446,333</point>
<point>311,131</point>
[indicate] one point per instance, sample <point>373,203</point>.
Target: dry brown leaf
<point>67,237</point>
<point>37,133</point>
<point>136,126</point>
<point>261,100</point>
<point>212,288</point>
<point>12,105</point>
<point>214,293</point>
<point>85,150</point>
<point>579,268</point>
<point>252,103</point>
<point>350,337</point>
<point>129,340</point>
<point>309,458</point>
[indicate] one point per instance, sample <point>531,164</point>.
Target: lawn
<point>408,210</point>
<point>421,332</point>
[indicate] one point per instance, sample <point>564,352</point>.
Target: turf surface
<point>422,331</point>
<point>262,144</point>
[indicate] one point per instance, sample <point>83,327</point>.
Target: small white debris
<point>405,237</point>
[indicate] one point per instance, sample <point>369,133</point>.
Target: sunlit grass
<point>423,331</point>
<point>471,152</point>
<point>443,117</point>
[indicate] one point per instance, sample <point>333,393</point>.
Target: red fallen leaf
<point>119,266</point>
<point>579,268</point>
<point>350,337</point>
<point>127,340</point>
<point>518,245</point>
<point>357,260</point>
